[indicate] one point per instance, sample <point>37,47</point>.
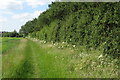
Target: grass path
<point>28,61</point>
<point>32,59</point>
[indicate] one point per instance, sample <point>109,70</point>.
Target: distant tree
<point>10,34</point>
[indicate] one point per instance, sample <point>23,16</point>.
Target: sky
<point>15,13</point>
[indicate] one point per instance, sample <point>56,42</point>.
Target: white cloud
<point>12,15</point>
<point>18,4</point>
<point>5,12</point>
<point>2,19</point>
<point>11,4</point>
<point>35,3</point>
<point>15,21</point>
<point>23,17</point>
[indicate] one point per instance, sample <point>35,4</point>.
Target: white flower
<point>100,56</point>
<point>73,45</point>
<point>44,42</point>
<point>68,45</point>
<point>59,47</point>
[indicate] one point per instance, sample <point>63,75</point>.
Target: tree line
<point>10,34</point>
<point>94,25</point>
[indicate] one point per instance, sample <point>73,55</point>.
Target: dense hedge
<point>94,25</point>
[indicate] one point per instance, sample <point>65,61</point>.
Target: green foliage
<point>94,25</point>
<point>29,27</point>
<point>10,34</point>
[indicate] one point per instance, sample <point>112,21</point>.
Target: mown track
<point>28,60</point>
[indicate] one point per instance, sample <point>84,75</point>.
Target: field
<point>8,43</point>
<point>31,58</point>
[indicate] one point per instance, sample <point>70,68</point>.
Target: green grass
<point>76,62</point>
<point>37,59</point>
<point>7,43</point>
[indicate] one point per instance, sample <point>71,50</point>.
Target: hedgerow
<point>94,25</point>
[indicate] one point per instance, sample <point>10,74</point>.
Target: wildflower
<point>68,45</point>
<point>73,45</point>
<point>80,55</point>
<point>80,68</point>
<point>63,42</point>
<point>44,42</point>
<point>91,48</point>
<point>100,56</point>
<point>61,47</point>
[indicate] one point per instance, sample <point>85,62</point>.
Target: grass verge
<point>37,59</point>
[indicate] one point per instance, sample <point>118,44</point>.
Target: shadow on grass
<point>25,70</point>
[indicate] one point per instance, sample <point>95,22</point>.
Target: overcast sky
<point>14,13</point>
